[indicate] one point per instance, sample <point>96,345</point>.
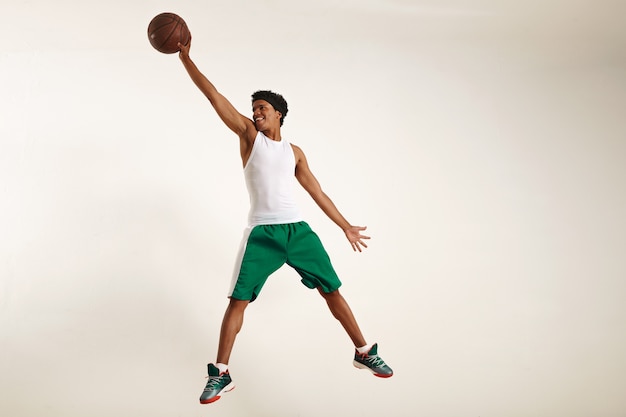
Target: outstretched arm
<point>312,186</point>
<point>238,123</point>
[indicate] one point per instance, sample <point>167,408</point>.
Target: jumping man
<point>276,233</point>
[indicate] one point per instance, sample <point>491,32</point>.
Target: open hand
<point>353,233</point>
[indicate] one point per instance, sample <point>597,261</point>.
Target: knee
<point>237,305</point>
<point>329,295</point>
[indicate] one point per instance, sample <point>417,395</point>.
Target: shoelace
<point>214,381</point>
<point>375,360</point>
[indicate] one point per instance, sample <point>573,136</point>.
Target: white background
<point>482,142</point>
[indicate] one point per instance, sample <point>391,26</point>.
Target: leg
<point>231,325</point>
<point>342,312</point>
<point>363,360</point>
<point>220,382</point>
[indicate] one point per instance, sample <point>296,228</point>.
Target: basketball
<point>166,30</point>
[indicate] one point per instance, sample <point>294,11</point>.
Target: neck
<point>273,134</point>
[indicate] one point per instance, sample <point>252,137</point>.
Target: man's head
<point>276,100</point>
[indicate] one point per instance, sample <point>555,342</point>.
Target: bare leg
<point>231,325</point>
<point>342,312</point>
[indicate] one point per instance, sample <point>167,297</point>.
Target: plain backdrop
<point>482,143</point>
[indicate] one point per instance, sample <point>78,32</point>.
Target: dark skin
<point>266,119</point>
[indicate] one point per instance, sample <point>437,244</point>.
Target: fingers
<point>187,45</point>
<point>356,238</point>
<point>184,49</point>
<point>356,246</point>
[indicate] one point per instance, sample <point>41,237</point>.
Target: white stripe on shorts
<point>239,259</point>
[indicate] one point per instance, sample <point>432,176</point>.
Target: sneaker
<point>372,362</point>
<point>218,383</point>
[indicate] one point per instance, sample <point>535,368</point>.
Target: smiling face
<point>265,117</point>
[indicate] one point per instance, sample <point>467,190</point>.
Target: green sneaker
<point>372,362</point>
<point>218,383</point>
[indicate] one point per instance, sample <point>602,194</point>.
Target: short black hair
<point>276,100</point>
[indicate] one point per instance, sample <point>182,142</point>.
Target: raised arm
<point>237,122</point>
<point>312,186</point>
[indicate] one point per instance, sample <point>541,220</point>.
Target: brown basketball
<point>166,30</point>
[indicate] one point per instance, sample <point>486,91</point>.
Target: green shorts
<point>266,248</point>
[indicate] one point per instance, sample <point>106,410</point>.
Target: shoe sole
<point>359,365</point>
<point>227,388</point>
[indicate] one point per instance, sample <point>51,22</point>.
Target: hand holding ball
<point>166,30</point>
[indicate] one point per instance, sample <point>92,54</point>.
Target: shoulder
<point>249,135</point>
<point>296,148</point>
<point>297,151</point>
<point>249,138</point>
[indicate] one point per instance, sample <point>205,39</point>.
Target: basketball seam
<point>171,33</point>
<point>173,19</point>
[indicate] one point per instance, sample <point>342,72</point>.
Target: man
<point>276,233</point>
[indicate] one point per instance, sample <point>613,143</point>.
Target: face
<point>264,115</point>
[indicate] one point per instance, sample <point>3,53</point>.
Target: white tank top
<point>269,174</point>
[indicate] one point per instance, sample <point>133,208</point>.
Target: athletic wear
<point>372,362</point>
<point>269,175</point>
<point>276,233</point>
<point>265,248</point>
<point>364,349</point>
<point>218,384</point>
